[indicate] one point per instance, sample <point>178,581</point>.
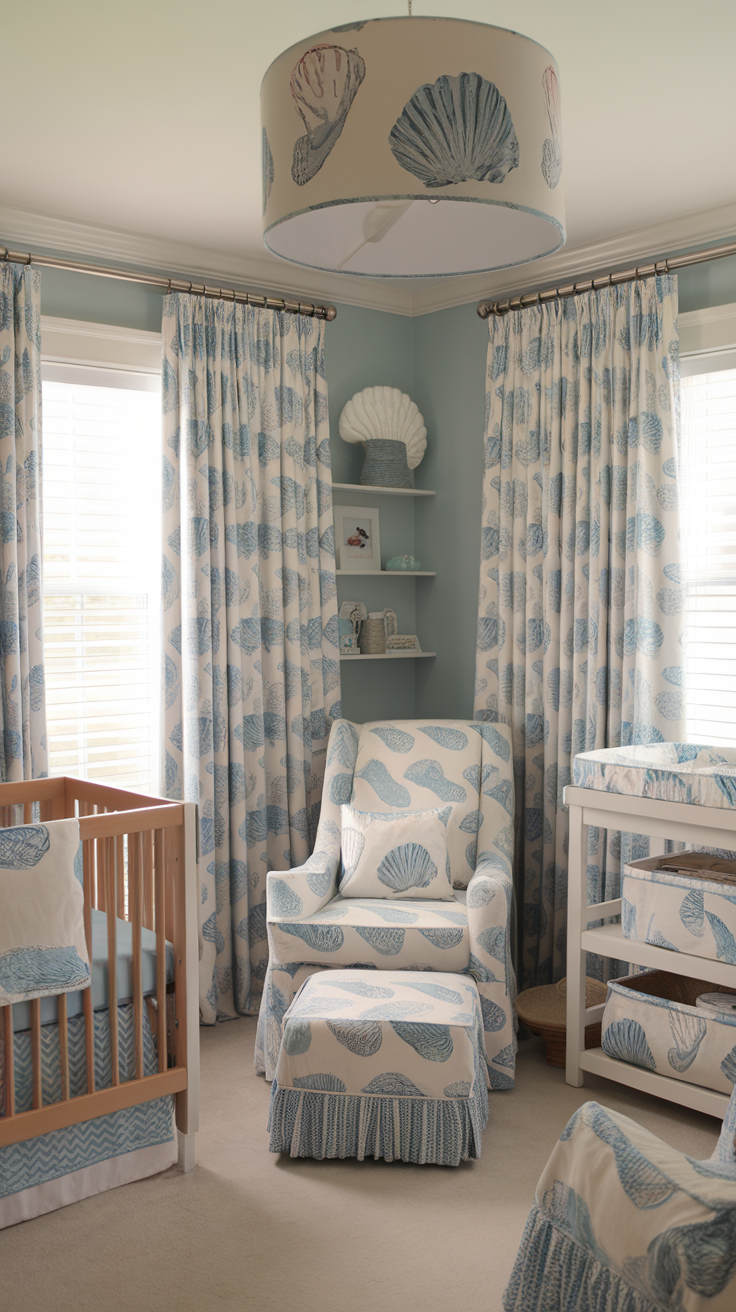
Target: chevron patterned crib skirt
<point>36,1161</point>
<point>382,1065</point>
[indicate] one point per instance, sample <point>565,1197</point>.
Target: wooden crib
<point>139,866</point>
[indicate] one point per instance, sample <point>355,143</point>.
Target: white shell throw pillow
<point>395,854</point>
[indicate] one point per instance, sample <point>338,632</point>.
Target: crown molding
<point>707,227</point>
<point>265,274</point>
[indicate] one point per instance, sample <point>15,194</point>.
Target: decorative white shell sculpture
<point>385,412</point>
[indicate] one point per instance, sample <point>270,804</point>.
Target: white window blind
<point>102,524</point>
<point>709,554</point>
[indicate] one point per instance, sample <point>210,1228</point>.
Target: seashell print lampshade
<point>412,147</point>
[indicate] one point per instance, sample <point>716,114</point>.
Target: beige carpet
<point>251,1230</point>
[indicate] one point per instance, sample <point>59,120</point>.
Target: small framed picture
<point>357,537</point>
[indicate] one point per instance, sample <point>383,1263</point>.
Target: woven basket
<point>372,640</point>
<point>385,464</point>
<point>544,1011</point>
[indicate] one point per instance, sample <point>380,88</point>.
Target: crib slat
<point>120,858</point>
<point>9,1061</point>
<point>135,869</point>
<point>101,872</point>
<point>147,881</point>
<point>36,1052</point>
<point>27,813</point>
<point>112,953</point>
<point>88,856</point>
<point>160,889</point>
<point>63,1045</point>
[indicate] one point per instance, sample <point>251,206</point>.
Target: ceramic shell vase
<point>389,425</point>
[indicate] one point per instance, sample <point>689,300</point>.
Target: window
<point>709,552</point>
<point>102,524</point>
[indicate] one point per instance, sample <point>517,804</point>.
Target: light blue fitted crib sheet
<point>669,772</point>
<point>75,1005</point>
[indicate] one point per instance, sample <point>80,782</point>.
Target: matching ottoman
<point>375,1064</point>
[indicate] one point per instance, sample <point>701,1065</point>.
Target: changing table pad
<point>75,1004</point>
<point>669,772</point>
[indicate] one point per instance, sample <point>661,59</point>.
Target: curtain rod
<point>487,308</point>
<point>327,312</point>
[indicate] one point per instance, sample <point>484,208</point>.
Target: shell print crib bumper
<point>377,1064</point>
<point>667,772</point>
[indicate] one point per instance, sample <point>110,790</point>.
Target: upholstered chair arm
<point>490,903</point>
<point>292,894</point>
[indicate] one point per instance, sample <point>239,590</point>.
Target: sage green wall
<point>449,388</point>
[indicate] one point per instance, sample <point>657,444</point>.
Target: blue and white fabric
<point>668,772</point>
<point>384,1065</point>
<point>389,935</point>
<point>43,949</point>
<point>251,662</point>
<point>401,855</point>
<point>99,985</point>
<point>77,1048</point>
<point>394,766</point>
<point>580,609</point>
<point>682,913</point>
<point>622,1222</point>
<point>684,1042</point>
<point>24,753</point>
<point>35,1161</point>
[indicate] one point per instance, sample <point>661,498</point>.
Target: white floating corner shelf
<point>390,656</point>
<point>387,573</point>
<point>383,491</point>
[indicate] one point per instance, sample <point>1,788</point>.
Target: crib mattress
<point>668,772</point>
<point>75,1005</point>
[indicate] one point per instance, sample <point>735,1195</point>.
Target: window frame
<point>105,355</point>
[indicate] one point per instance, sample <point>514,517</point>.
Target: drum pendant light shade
<point>412,147</point>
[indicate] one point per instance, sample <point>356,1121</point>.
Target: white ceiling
<point>144,118</point>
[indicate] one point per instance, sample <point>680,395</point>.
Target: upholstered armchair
<point>407,766</point>
<point>622,1222</point>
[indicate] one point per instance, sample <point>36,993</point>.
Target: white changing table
<point>687,800</point>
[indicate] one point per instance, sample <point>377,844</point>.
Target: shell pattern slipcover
<point>621,1222</point>
<point>407,765</point>
<point>386,1065</point>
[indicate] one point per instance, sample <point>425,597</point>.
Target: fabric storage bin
<point>651,1020</point>
<point>681,912</point>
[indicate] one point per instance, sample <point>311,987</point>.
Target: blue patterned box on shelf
<point>382,1064</point>
<point>679,912</point>
<point>669,772</point>
<point>674,1038</point>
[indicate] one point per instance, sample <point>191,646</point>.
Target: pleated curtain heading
<point>581,601</point>
<point>251,663</point>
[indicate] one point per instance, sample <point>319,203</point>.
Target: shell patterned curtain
<point>251,664</point>
<point>24,754</point>
<point>580,613</point>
